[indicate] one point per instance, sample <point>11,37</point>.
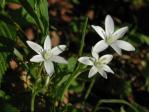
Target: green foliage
<point>3,95</point>
<point>7,35</point>
<point>9,108</point>
<point>139,37</point>
<point>38,10</point>
<point>66,78</point>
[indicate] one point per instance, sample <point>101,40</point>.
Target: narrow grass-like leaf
<point>27,6</point>
<point>77,71</point>
<point>114,101</point>
<point>7,33</point>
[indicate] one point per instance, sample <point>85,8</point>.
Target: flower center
<point>109,40</point>
<point>98,63</point>
<point>46,55</point>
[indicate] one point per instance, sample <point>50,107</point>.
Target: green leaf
<point>140,108</point>
<point>9,108</point>
<point>42,11</point>
<point>122,109</point>
<point>3,95</point>
<point>38,10</point>
<point>76,2</point>
<point>30,10</point>
<point>3,64</point>
<point>144,39</point>
<point>2,4</point>
<point>18,54</point>
<point>72,64</point>
<point>7,35</point>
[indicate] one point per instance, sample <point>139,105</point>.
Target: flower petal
<point>106,58</point>
<point>124,45</point>
<point>92,72</point>
<point>95,54</point>
<point>58,49</point>
<point>49,67</point>
<point>36,47</point>
<point>37,58</point>
<point>108,69</point>
<point>116,48</point>
<point>58,59</point>
<point>120,33</point>
<point>47,43</point>
<point>86,60</point>
<point>100,46</point>
<point>103,74</point>
<point>99,30</point>
<point>109,25</point>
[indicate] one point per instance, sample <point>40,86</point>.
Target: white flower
<point>111,38</point>
<point>99,64</point>
<point>47,55</point>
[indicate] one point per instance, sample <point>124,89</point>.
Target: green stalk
<point>34,92</point>
<point>71,79</point>
<point>106,108</point>
<point>114,101</point>
<point>33,102</point>
<point>75,74</point>
<point>83,36</point>
<point>89,88</point>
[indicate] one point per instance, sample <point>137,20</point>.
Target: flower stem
<point>89,88</point>
<point>33,102</point>
<point>83,36</point>
<point>34,89</point>
<point>77,72</point>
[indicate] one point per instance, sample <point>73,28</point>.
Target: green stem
<point>72,77</point>
<point>45,86</point>
<point>106,108</point>
<point>114,101</point>
<point>83,36</point>
<point>47,81</point>
<point>77,71</point>
<point>34,91</point>
<point>89,88</point>
<point>33,102</point>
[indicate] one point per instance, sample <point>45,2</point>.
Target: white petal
<point>86,60</point>
<point>103,74</point>
<point>36,47</point>
<point>95,54</point>
<point>120,33</point>
<point>47,43</point>
<point>124,45</point>
<point>92,72</point>
<point>99,30</point>
<point>37,58</point>
<point>108,69</point>
<point>49,67</point>
<point>116,48</point>
<point>109,25</point>
<point>58,59</point>
<point>100,46</point>
<point>58,49</point>
<point>106,58</point>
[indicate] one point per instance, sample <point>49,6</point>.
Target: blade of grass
<point>114,101</point>
<point>83,37</point>
<point>77,71</point>
<point>32,13</point>
<point>89,88</point>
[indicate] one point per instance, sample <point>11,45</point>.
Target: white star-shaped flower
<point>111,38</point>
<point>99,64</point>
<point>47,55</point>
